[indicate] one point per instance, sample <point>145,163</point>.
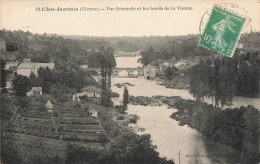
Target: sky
<point>22,15</point>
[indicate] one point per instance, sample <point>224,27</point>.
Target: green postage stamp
<point>222,31</point>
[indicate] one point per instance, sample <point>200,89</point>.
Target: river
<point>169,137</point>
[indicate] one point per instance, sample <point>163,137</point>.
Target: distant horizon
<point>130,36</point>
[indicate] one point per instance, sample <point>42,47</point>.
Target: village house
<point>92,92</point>
<point>161,65</point>
<point>77,97</point>
<point>150,71</point>
<point>35,91</point>
<point>26,68</point>
<point>11,66</point>
<point>49,106</point>
<point>181,65</point>
<point>193,60</point>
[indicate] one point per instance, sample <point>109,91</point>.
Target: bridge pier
<point>132,72</point>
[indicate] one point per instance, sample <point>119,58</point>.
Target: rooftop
<point>45,65</point>
<point>91,89</point>
<point>149,66</point>
<point>32,65</point>
<point>36,88</point>
<point>26,66</point>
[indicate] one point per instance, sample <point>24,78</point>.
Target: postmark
<point>222,31</point>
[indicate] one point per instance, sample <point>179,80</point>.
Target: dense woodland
<point>186,46</point>
<point>237,127</point>
<point>223,78</point>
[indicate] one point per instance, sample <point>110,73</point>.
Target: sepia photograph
<point>130,82</point>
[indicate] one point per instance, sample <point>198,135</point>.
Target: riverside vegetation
<point>237,128</point>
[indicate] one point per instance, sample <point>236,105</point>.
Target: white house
<point>25,68</point>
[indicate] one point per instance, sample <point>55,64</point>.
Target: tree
<point>60,92</point>
<point>106,62</point>
<point>134,119</point>
<point>21,85</point>
<point>198,81</point>
<point>40,57</point>
<point>225,85</point>
<point>169,73</point>
<point>2,74</point>
<point>9,153</point>
<point>79,154</point>
<point>106,98</point>
<point>125,98</point>
<point>45,77</point>
<point>251,135</point>
<point>149,56</point>
<point>103,139</point>
<point>34,82</point>
<point>214,81</point>
<point>132,148</point>
<point>11,46</point>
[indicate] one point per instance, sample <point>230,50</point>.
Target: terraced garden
<point>48,136</point>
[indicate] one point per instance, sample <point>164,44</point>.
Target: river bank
<point>166,133</point>
<point>229,127</point>
<point>180,81</point>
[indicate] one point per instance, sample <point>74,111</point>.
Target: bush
<point>77,106</point>
<point>121,118</point>
<point>121,108</point>
<point>114,94</point>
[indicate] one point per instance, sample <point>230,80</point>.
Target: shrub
<point>121,118</point>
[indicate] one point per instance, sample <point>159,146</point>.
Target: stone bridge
<point>122,72</point>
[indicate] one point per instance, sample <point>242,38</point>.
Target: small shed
<point>93,113</point>
<point>49,105</point>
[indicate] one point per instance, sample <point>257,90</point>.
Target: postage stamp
<point>222,31</point>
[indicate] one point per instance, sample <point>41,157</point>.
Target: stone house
<point>78,96</point>
<point>92,92</point>
<point>35,91</point>
<point>25,68</point>
<point>150,71</point>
